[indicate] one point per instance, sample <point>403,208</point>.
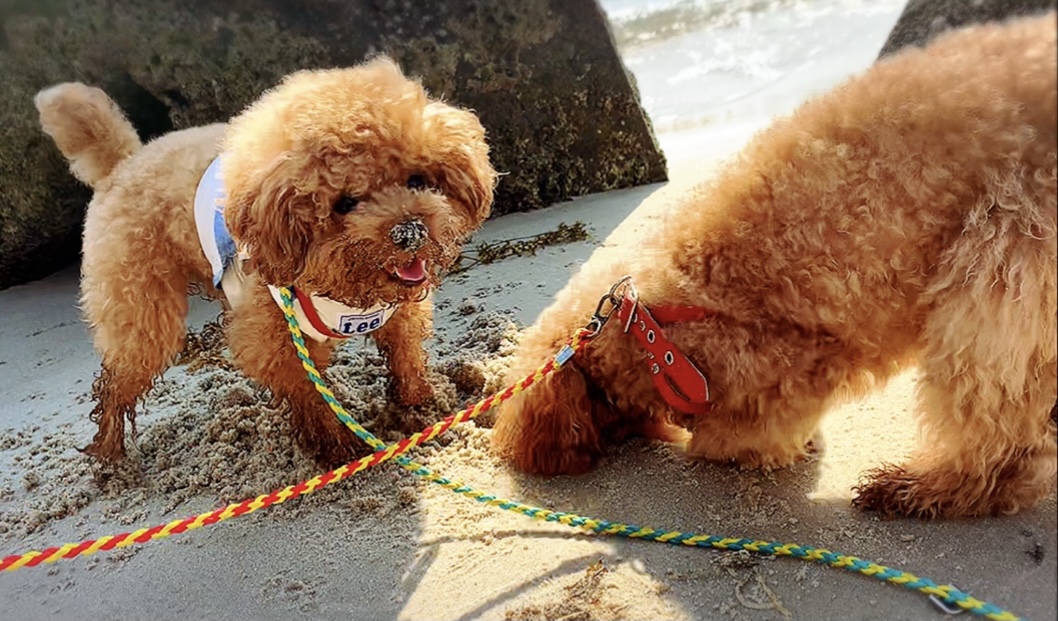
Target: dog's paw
<point>950,491</point>
<point>893,491</point>
<point>337,453</point>
<point>776,458</point>
<point>106,450</point>
<point>412,391</point>
<point>325,439</point>
<point>554,461</point>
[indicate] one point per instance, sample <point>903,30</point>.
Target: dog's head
<point>355,185</point>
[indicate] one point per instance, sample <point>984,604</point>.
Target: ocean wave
<point>706,63</point>
<point>641,22</point>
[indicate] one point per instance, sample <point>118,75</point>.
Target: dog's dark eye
<point>345,204</point>
<point>416,182</point>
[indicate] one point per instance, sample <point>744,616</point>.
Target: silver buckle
<point>945,607</point>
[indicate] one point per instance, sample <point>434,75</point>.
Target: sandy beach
<point>385,545</point>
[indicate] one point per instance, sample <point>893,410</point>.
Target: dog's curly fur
<point>318,136</point>
<point>906,217</point>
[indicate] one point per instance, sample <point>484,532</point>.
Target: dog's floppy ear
<point>466,170</point>
<point>549,429</point>
<point>272,221</point>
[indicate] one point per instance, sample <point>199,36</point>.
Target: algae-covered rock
<point>562,114</point>
<point>922,20</point>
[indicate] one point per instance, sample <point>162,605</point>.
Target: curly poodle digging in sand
<point>908,217</point>
<point>350,185</point>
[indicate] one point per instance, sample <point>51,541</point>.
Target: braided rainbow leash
<point>946,594</point>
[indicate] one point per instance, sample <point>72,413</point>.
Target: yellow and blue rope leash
<point>947,594</point>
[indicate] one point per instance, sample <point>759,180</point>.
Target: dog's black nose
<point>409,235</point>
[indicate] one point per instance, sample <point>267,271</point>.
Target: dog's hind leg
<point>988,384</point>
<point>261,346</point>
<point>138,324</point>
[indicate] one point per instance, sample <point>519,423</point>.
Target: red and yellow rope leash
<point>384,454</point>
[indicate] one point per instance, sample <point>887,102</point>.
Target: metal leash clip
<point>945,607</point>
<point>613,297</point>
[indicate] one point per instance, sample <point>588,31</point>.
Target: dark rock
<point>562,113</point>
<point>924,19</point>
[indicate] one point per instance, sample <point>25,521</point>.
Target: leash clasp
<point>946,608</point>
<point>609,303</point>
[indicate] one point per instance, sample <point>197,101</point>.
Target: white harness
<point>324,319</point>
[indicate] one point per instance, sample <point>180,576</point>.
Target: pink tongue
<point>412,272</point>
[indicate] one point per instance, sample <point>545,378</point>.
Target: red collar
<point>675,377</point>
<point>309,309</point>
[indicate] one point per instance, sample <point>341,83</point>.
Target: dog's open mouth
<point>412,274</point>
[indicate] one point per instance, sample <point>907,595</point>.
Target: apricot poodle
<point>907,217</point>
<point>349,185</point>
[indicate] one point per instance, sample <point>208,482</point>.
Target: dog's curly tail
<point>88,127</point>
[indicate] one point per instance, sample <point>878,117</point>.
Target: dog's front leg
<point>261,346</point>
<point>400,341</point>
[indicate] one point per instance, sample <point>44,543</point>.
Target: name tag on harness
<point>354,325</point>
